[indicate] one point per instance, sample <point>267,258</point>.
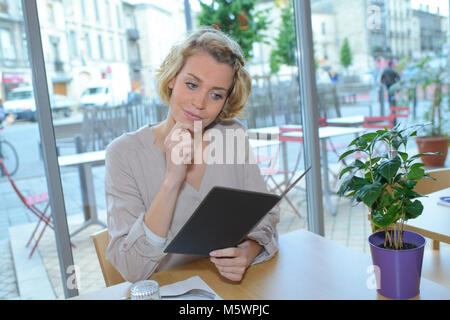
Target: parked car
<point>62,105</point>
<point>21,104</point>
<point>2,112</point>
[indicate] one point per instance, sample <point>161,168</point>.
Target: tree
<point>346,54</point>
<point>238,19</point>
<point>285,43</point>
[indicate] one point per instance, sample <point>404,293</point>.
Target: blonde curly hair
<point>224,50</point>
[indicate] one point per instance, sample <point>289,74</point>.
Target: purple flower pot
<point>399,270</point>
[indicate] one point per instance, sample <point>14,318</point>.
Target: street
<point>24,136</point>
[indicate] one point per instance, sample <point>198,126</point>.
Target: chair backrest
<point>13,185</point>
<point>379,122</point>
<point>284,138</point>
<point>400,112</point>
<point>426,186</point>
<point>27,203</point>
<point>110,274</point>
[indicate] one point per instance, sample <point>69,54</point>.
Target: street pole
<point>187,15</point>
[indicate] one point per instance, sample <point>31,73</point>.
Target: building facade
<point>14,66</point>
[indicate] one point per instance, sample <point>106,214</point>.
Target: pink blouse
<point>135,169</point>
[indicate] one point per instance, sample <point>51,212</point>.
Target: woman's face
<point>200,89</point>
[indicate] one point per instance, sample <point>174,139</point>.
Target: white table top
<point>95,157</point>
<point>275,130</point>
<point>347,121</point>
<point>324,132</point>
<point>328,132</point>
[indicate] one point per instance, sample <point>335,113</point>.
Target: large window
<point>23,183</point>
<point>352,55</point>
<point>100,60</point>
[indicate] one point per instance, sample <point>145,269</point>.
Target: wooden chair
<point>39,205</point>
<point>272,170</point>
<point>110,274</point>
<point>426,186</point>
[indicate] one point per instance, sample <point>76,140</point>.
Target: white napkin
<point>180,290</point>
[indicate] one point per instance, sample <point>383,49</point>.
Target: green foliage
<point>385,182</point>
<point>346,54</point>
<point>238,19</point>
<point>424,73</point>
<point>284,49</point>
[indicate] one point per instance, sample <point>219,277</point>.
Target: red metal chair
<point>31,203</point>
<point>400,112</point>
<point>272,170</point>
<point>379,122</point>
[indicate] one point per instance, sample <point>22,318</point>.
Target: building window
<point>83,8</point>
<point>88,45</point>
<point>100,47</point>
<point>97,15</point>
<point>122,49</point>
<point>73,44</point>
<point>6,44</point>
<point>4,6</point>
<point>119,20</point>
<point>50,13</point>
<point>108,12</point>
<point>112,48</point>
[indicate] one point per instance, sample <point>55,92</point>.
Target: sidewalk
<point>15,217</point>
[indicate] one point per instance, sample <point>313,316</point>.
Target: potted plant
<point>385,184</point>
<point>431,72</point>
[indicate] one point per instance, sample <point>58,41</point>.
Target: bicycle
<point>9,155</point>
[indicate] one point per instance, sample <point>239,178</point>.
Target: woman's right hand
<point>179,151</point>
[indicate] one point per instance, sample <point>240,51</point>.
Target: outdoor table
<point>85,161</point>
<point>352,121</point>
<point>326,132</point>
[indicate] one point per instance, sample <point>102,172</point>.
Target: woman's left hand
<point>233,262</point>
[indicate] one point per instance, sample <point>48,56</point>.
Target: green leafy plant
<point>434,72</point>
<point>385,182</point>
<point>238,18</point>
<point>283,51</point>
<point>346,54</point>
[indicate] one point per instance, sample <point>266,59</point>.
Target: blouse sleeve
<point>265,233</point>
<point>129,249</point>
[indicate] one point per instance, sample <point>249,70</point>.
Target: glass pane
<point>23,184</point>
<point>101,58</point>
<point>275,105</point>
<point>357,61</point>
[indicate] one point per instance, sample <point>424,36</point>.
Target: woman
<point>154,180</point>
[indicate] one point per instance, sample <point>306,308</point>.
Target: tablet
<point>222,220</point>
